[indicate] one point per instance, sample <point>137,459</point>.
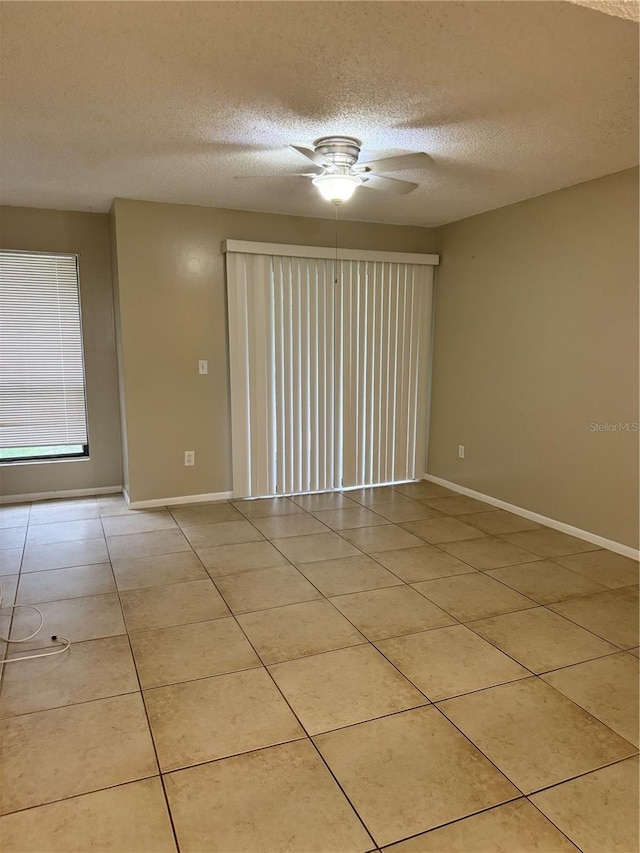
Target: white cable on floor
<point>31,636</point>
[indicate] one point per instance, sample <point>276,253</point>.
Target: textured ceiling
<point>620,8</point>
<point>173,101</point>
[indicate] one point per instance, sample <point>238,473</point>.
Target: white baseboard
<point>67,493</point>
<point>600,541</point>
<point>183,499</point>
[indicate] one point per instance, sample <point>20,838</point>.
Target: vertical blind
<point>329,371</point>
<point>42,392</point>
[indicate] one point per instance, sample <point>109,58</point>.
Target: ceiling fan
<point>342,174</point>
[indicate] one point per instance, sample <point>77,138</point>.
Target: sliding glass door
<point>329,370</point>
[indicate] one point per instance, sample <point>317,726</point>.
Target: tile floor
<point>400,668</point>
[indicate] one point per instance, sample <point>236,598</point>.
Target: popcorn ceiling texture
<point>175,101</point>
<point>629,9</point>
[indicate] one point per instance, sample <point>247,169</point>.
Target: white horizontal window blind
<point>42,390</point>
<point>329,371</point>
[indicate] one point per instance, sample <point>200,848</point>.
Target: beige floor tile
<point>38,558</point>
<point>348,574</point>
<point>281,798</point>
<point>186,652</point>
<point>223,533</point>
<point>12,537</point>
<point>297,630</point>
<point>10,560</point>
<point>212,718</point>
<point>48,512</point>
<point>300,524</point>
<point>77,619</point>
<point>488,553</point>
<point>475,596</point>
<point>439,530</point>
<point>263,507</point>
<point>149,544</point>
<point>548,543</point>
<point>9,590</point>
<point>175,604</point>
<point>236,559</point>
<point>64,531</point>
<point>108,821</point>
<point>388,537</point>
<point>112,505</point>
<point>9,585</point>
<point>91,670</point>
<point>612,615</point>
<point>382,613</point>
<point>323,500</point>
<point>317,546</point>
<point>515,827</point>
<point>42,513</point>
<point>138,522</point>
<point>56,584</point>
<point>406,510</point>
<point>541,640</point>
<point>336,689</point>
<point>533,734</point>
<point>545,581</point>
<point>140,572</point>
<point>423,563</point>
<point>16,515</point>
<point>345,519</point>
<point>375,495</point>
<point>599,811</point>
<point>457,505</point>
<point>450,661</point>
<point>604,567</point>
<point>423,490</point>
<point>192,516</point>
<point>607,688</point>
<point>265,588</point>
<point>495,522</point>
<point>51,755</point>
<point>410,772</point>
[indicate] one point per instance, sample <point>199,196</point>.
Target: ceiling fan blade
<point>316,158</point>
<point>402,161</point>
<point>275,175</point>
<point>392,185</point>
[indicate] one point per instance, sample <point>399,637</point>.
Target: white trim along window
<point>43,412</point>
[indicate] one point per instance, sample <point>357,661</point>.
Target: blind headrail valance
<point>287,250</point>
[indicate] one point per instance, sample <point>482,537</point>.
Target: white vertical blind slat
<point>280,392</point>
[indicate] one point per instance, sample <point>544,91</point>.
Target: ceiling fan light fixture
<point>337,188</point>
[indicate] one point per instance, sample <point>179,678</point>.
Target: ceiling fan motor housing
<point>342,151</point>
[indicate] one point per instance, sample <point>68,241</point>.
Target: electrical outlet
<point>461,451</point>
<point>189,458</point>
<point>203,367</point>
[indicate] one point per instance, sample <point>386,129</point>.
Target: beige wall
<point>537,337</point>
<point>88,235</point>
<point>173,313</point>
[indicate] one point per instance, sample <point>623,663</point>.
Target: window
<point>42,391</point>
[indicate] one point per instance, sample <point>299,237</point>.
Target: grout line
<point>84,793</point>
<point>144,705</point>
<point>581,775</point>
